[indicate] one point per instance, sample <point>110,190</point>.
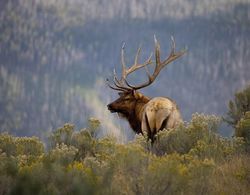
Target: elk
<point>145,115</point>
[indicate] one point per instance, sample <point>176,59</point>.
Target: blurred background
<point>55,56</point>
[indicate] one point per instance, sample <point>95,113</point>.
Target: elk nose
<point>109,106</point>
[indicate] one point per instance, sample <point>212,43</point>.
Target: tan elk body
<point>145,115</point>
<point>159,113</point>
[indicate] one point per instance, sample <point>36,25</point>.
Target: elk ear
<point>136,94</point>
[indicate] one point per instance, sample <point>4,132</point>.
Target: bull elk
<point>145,115</point>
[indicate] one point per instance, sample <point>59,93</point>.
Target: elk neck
<point>135,117</point>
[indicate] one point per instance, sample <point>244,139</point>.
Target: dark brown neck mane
<point>134,117</point>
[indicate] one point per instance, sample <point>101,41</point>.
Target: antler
<point>159,65</point>
<point>123,85</point>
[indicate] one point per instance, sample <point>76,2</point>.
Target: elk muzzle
<point>111,108</point>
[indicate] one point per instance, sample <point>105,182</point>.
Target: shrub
<point>7,144</point>
<point>198,138</point>
<point>62,135</point>
<point>20,145</point>
<point>242,129</point>
<point>232,177</point>
<point>191,159</point>
<point>238,107</point>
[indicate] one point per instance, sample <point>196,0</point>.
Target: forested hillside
<point>56,55</point>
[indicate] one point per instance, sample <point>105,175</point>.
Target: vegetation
<point>53,52</point>
<point>243,129</point>
<point>238,107</point>
<point>191,159</point>
<point>238,115</point>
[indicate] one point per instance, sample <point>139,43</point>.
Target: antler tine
<point>157,51</point>
<point>116,80</point>
<point>173,44</point>
<point>136,65</point>
<point>146,68</point>
<point>137,55</point>
<point>115,88</point>
<point>118,83</point>
<point>118,86</point>
<point>123,63</point>
<point>173,55</point>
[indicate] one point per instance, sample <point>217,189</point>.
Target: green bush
<point>7,144</point>
<point>242,130</point>
<point>198,138</point>
<point>231,177</point>
<point>20,145</point>
<point>191,159</point>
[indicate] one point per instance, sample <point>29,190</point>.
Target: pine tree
<point>238,107</point>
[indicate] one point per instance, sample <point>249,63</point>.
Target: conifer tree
<point>238,107</point>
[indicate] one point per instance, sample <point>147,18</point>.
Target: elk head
<point>125,102</point>
<point>131,103</point>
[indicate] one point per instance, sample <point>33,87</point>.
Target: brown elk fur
<point>130,105</point>
<point>145,115</point>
